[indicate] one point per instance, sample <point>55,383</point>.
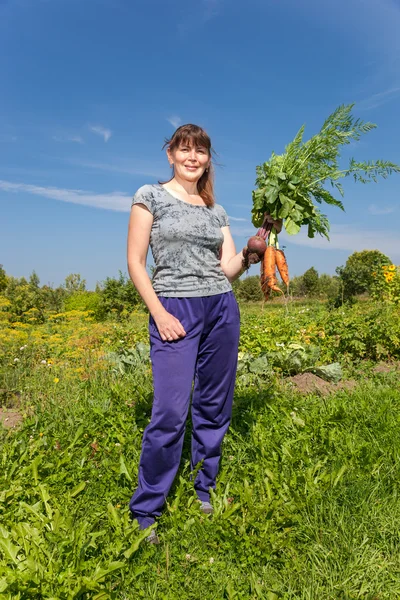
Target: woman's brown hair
<point>196,136</point>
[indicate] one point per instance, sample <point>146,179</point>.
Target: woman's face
<point>189,161</point>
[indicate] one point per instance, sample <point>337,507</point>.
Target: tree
<point>34,280</point>
<point>117,296</point>
<point>3,279</point>
<point>53,297</point>
<point>296,286</point>
<point>328,286</point>
<point>310,281</point>
<point>356,276</point>
<point>27,304</point>
<point>249,289</point>
<point>74,283</point>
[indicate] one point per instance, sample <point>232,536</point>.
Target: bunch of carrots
<point>291,186</point>
<point>272,257</point>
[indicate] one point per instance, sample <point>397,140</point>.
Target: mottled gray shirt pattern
<point>185,241</point>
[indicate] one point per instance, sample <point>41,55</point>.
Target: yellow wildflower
<point>384,267</point>
<point>56,380</point>
<point>392,268</point>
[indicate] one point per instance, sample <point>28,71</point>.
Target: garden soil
<point>308,383</point>
<point>10,417</point>
<point>386,367</point>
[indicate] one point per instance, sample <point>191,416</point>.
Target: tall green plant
<point>291,185</point>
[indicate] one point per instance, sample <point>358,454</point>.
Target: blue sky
<point>90,89</point>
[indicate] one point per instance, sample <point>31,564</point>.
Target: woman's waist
<point>191,284</point>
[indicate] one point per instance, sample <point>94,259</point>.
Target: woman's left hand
<point>249,258</point>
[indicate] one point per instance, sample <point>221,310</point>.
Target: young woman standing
<point>194,320</point>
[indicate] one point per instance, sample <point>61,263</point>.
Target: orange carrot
<point>282,265</point>
<point>264,288</point>
<point>269,262</point>
<point>273,284</point>
<point>268,272</point>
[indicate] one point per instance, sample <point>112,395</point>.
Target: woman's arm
<point>231,263</point>
<point>139,229</point>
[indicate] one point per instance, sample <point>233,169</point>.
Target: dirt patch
<point>10,417</point>
<point>10,403</point>
<point>386,367</point>
<point>308,383</point>
<point>348,385</point>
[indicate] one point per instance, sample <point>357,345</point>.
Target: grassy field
<point>307,498</point>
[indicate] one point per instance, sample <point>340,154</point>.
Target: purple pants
<point>207,355</point>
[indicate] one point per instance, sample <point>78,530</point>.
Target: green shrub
<point>82,301</point>
<point>118,298</point>
<point>356,277</point>
<point>363,331</point>
<point>248,289</point>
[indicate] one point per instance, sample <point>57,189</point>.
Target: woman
<point>194,320</point>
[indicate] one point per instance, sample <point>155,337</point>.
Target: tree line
<point>25,300</point>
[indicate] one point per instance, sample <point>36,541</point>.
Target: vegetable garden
<point>306,504</point>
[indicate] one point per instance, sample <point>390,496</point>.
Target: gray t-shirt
<point>185,241</point>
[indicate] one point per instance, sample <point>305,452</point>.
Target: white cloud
<point>175,121</point>
<point>248,206</point>
<point>342,237</point>
<point>238,219</point>
<point>77,139</point>
<point>102,131</point>
<point>114,201</point>
<point>347,237</point>
<point>373,209</point>
<point>133,167</point>
<point>378,99</point>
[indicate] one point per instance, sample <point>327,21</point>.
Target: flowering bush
<point>387,284</point>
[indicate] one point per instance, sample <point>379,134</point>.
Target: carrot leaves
<point>291,185</point>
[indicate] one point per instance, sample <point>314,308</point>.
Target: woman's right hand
<point>169,327</point>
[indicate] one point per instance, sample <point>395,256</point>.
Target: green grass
<point>306,506</point>
<point>301,512</point>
